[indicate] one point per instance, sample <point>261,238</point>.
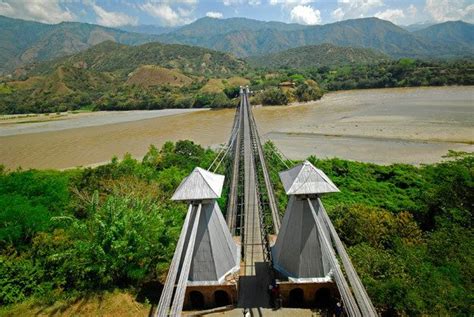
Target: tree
<point>273,96</point>
<point>307,91</point>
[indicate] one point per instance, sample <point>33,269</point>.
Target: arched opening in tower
<point>197,300</point>
<point>296,298</point>
<point>221,298</point>
<point>323,299</point>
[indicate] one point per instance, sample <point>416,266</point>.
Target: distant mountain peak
<point>23,42</point>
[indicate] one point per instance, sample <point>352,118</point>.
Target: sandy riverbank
<point>407,125</point>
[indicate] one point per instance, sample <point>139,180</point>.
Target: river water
<point>407,125</point>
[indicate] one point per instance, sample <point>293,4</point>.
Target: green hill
<point>317,56</point>
<point>114,76</point>
<point>122,59</point>
<point>453,33</point>
<point>23,42</point>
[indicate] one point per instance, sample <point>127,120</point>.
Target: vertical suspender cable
<point>347,297</point>
<point>165,300</point>
<point>363,299</point>
<point>268,184</point>
<point>184,274</point>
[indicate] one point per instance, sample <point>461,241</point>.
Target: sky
<point>173,13</point>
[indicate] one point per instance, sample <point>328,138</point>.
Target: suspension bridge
<point>233,261</point>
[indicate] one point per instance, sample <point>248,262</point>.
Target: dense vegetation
<point>405,72</point>
<point>408,230</point>
<point>68,233</point>
<point>402,73</point>
<point>65,234</point>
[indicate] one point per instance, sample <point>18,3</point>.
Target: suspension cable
<point>363,299</point>
<point>347,297</point>
<point>166,295</point>
<point>178,300</point>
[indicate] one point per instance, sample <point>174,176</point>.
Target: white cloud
<point>188,2</point>
<point>352,9</point>
<point>113,19</point>
<point>289,3</point>
<point>449,10</point>
<point>392,15</point>
<point>338,14</point>
<point>412,10</point>
<point>46,11</point>
<point>215,15</point>
<point>239,2</point>
<point>305,15</point>
<point>166,14</point>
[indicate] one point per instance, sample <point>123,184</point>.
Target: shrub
<point>273,96</point>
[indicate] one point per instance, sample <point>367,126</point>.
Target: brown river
<point>406,125</point>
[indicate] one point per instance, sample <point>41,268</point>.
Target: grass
<point>236,81</point>
<point>117,303</point>
<point>152,75</point>
<point>213,86</point>
<point>5,90</point>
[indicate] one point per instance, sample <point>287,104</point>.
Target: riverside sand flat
<point>407,125</point>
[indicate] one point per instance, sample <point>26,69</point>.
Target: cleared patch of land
<point>218,85</point>
<point>407,125</point>
<point>152,75</point>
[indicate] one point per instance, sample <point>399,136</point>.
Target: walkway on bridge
<point>255,273</point>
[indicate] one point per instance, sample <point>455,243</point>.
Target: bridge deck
<point>255,275</point>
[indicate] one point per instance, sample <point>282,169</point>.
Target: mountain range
<point>312,56</point>
<point>245,37</point>
<point>25,42</point>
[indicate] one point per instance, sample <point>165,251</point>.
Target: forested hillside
<point>314,56</point>
<point>121,59</point>
<point>245,37</point>
<point>457,33</point>
<point>405,72</point>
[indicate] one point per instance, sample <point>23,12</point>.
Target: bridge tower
<point>308,250</point>
<point>299,252</point>
<point>207,259</point>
